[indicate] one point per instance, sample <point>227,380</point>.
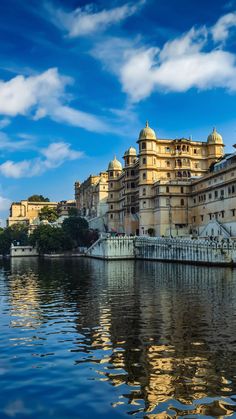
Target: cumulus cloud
<point>44,95</point>
<point>53,156</point>
<point>181,64</point>
<point>220,31</point>
<point>87,20</point>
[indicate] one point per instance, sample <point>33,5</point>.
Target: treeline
<point>73,233</point>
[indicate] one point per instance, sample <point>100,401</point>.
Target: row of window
<point>215,215</point>
<point>216,194</point>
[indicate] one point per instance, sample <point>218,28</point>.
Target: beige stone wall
<point>26,212</point>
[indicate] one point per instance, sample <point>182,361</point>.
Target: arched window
<point>167,163</point>
<point>143,146</point>
<point>168,174</point>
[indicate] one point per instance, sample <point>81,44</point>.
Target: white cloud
<point>87,20</point>
<point>181,64</point>
<point>4,122</point>
<point>220,31</point>
<point>53,156</point>
<point>44,95</point>
<point>8,144</point>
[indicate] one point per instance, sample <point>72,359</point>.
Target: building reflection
<point>164,331</point>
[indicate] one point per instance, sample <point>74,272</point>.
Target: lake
<point>83,338</point>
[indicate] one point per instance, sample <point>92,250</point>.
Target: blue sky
<point>78,81</point>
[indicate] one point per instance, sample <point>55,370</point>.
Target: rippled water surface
<point>93,339</point>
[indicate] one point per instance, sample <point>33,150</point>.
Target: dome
<point>147,133</point>
<point>115,164</point>
<point>131,152</point>
<point>214,138</point>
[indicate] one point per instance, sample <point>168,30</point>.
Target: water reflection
<point>159,338</point>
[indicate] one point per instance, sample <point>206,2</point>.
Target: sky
<point>78,80</point>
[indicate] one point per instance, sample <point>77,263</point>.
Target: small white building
<point>22,251</point>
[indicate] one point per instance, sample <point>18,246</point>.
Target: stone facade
<point>151,194</point>
<point>27,212</point>
<point>91,196</point>
<point>170,187</point>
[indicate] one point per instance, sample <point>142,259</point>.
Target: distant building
<point>63,207</point>
<point>91,196</point>
<point>27,212</point>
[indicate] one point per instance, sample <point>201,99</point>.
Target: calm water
<point>93,339</point>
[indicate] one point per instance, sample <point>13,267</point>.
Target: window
<point>222,192</point>
<point>167,189</point>
<point>194,151</point>
<point>222,214</point>
<point>229,190</point>
<point>233,212</point>
<point>111,174</point>
<point>202,217</point>
<point>144,160</point>
<point>111,185</point>
<point>209,196</point>
<point>111,195</point>
<point>132,185</point>
<point>194,219</point>
<point>132,172</point>
<point>111,207</point>
<point>111,216</point>
<point>182,189</point>
<point>210,216</point>
<point>194,200</point>
<point>144,191</point>
<point>182,202</point>
<point>168,174</point>
<point>167,149</point>
<point>216,194</point>
<point>167,163</point>
<point>232,188</point>
<point>143,146</point>
<point>144,204</point>
<point>144,176</point>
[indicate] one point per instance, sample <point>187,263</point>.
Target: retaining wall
<point>174,250</point>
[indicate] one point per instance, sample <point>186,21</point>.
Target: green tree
<point>17,233</point>
<point>51,239</point>
<point>77,229</point>
<point>49,214</point>
<point>72,212</point>
<point>38,198</point>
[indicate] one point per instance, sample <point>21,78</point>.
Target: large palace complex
<point>169,187</point>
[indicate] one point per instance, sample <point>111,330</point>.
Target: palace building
<point>170,187</point>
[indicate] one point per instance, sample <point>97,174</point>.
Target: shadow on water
<point>89,338</point>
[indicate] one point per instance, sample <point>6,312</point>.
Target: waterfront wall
<point>112,248</point>
<point>164,249</point>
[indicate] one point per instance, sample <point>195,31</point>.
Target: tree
<point>17,233</point>
<point>38,198</point>
<point>49,214</point>
<point>72,212</point>
<point>77,229</point>
<point>51,239</point>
